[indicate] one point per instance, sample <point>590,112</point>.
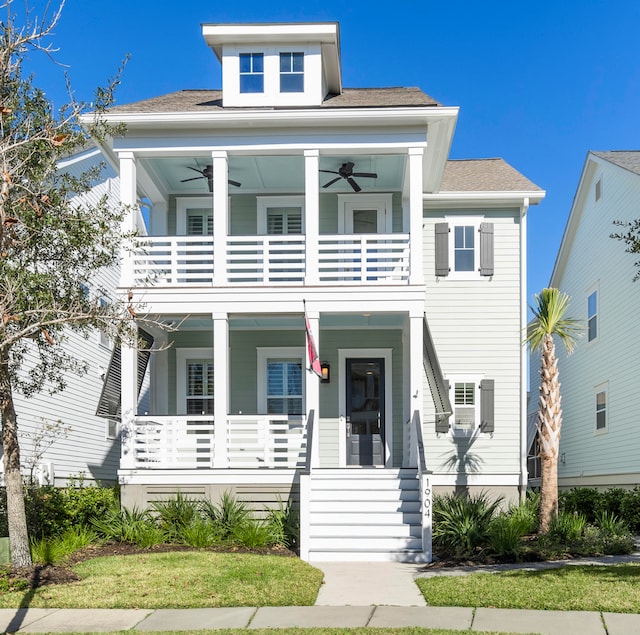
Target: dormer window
<point>251,73</point>
<point>291,72</point>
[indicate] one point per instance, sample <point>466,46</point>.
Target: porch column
<point>415,379</point>
<point>312,214</point>
<point>416,273</point>
<point>221,388</point>
<point>220,216</point>
<point>312,387</point>
<point>128,403</point>
<point>128,198</point>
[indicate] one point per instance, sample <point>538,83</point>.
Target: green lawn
<point>187,579</point>
<point>614,588</point>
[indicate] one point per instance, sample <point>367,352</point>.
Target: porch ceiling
<point>274,174</point>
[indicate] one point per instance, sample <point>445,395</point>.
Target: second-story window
<point>251,73</point>
<point>592,316</point>
<point>291,72</point>
<point>464,248</point>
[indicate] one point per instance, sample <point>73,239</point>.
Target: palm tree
<point>550,321</point>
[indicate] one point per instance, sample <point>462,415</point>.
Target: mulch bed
<point>40,575</point>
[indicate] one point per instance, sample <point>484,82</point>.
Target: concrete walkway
<point>352,595</point>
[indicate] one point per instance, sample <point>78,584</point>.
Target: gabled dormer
<point>276,65</point>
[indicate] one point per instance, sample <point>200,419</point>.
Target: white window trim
<point>597,190</point>
<point>456,221</point>
<point>277,352</point>
<point>603,387</point>
<point>594,289</point>
<point>474,379</point>
<point>182,355</point>
<point>386,354</point>
<point>266,202</point>
<point>183,205</point>
<point>348,203</point>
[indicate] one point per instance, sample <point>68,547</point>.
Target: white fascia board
<point>219,34</point>
<point>281,118</point>
<point>503,199</point>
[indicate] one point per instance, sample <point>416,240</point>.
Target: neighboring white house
<point>61,437</point>
<point>285,190</point>
<point>600,431</point>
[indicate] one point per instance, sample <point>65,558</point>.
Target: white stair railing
<point>426,489</point>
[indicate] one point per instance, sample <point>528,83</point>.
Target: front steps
<point>364,514</point>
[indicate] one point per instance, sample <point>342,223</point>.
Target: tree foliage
<point>53,242</point>
<point>630,236</point>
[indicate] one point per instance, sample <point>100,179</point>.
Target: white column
<point>221,387</point>
<point>128,198</point>
<point>524,351</point>
<point>312,386</point>
<point>416,275</point>
<point>128,403</point>
<point>220,216</point>
<point>416,386</point>
<point>312,214</point>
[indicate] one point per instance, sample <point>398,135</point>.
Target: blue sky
<point>537,83</point>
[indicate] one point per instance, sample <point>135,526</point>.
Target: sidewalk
<point>354,594</point>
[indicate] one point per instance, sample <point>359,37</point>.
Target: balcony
<point>361,259</point>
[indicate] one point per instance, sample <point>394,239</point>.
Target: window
<point>281,380</point>
<point>199,222</point>
<point>364,213</point>
<point>472,400</point>
<point>601,408</point>
<point>598,189</point>
<point>199,383</point>
<point>112,429</point>
<point>103,336</point>
<point>291,72</point>
<point>467,244</point>
<point>592,316</point>
<point>280,214</point>
<point>284,386</point>
<point>251,73</point>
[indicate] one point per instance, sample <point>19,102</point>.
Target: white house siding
<point>475,326</point>
<point>85,449</point>
<point>594,260</point>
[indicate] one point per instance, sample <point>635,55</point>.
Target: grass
<point>614,588</point>
<point>179,580</point>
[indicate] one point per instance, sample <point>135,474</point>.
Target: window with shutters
<point>472,402</point>
<point>464,248</point>
<point>281,381</point>
<point>601,404</point>
<point>280,215</point>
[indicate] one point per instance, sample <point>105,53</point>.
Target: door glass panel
<point>365,221</point>
<point>199,387</point>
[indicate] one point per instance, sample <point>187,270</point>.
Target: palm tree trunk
<point>549,424</point>
<point>17,520</point>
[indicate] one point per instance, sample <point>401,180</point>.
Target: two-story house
<point>284,196</point>
<point>600,433</point>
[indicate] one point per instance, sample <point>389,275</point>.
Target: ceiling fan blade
<point>195,178</point>
<point>235,183</point>
<point>366,175</point>
<point>332,181</point>
<point>353,184</point>
<point>195,170</point>
<point>329,171</point>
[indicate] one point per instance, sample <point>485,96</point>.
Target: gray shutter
<point>487,418</point>
<point>442,249</point>
<point>109,402</point>
<point>442,421</point>
<point>486,249</point>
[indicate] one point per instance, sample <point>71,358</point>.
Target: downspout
<point>524,356</point>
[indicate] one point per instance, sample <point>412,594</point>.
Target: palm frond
<point>549,319</point>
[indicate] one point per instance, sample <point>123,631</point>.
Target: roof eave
<point>499,198</point>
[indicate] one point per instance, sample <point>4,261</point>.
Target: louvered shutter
<point>442,249</point>
<point>486,249</point>
<point>487,417</point>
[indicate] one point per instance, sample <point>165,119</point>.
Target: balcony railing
<point>194,442</point>
<point>274,260</point>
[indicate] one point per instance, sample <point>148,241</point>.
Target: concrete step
<point>367,518</point>
<point>401,555</point>
<point>345,506</point>
<point>358,543</point>
<point>319,530</point>
<point>319,493</point>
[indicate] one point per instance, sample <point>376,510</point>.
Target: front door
<point>365,411</point>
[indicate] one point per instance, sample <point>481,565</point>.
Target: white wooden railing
<point>272,260</point>
<point>190,442</point>
<point>417,458</point>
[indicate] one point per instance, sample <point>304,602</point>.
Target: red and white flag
<point>314,360</point>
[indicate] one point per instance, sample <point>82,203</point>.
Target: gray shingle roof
<point>211,100</point>
<point>484,175</point>
<point>627,159</point>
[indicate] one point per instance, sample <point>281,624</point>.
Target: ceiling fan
<point>345,171</point>
<point>207,173</point>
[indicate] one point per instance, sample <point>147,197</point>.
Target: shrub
<point>176,513</point>
<point>200,533</point>
<point>284,521</point>
<point>129,525</point>
<point>253,534</point>
<point>506,530</point>
<point>461,523</point>
<point>56,548</point>
<point>630,509</point>
<point>567,527</point>
<point>228,514</point>
<point>612,500</point>
<point>597,540</point>
<point>585,501</point>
